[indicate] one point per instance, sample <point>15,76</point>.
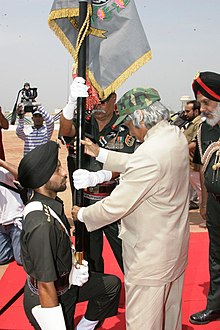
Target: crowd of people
<point>140,177</point>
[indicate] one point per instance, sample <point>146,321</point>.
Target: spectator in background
<point>192,113</point>
<point>38,133</point>
<point>11,214</point>
<point>3,125</point>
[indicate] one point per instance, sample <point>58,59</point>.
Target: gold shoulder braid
<point>199,139</point>
<point>212,148</point>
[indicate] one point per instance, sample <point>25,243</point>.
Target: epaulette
<point>38,206</point>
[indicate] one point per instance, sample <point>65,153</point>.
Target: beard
<point>56,186</point>
<point>215,116</point>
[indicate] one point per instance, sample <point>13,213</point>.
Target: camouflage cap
<point>135,99</point>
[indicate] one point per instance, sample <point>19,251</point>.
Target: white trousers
<point>154,308</point>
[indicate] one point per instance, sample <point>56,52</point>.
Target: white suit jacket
<point>152,203</point>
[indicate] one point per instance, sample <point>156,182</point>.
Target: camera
<point>29,106</point>
<point>179,119</point>
<point>28,96</point>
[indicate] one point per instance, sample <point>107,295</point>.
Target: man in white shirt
<point>11,214</point>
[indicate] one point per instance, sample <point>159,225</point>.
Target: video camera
<point>179,119</point>
<point>27,97</point>
<point>29,106</point>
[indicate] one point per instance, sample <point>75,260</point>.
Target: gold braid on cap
<point>197,75</point>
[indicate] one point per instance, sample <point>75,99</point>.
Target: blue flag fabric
<point>117,44</point>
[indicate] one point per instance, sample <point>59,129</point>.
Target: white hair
<point>152,115</point>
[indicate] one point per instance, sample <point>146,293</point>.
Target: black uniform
<point>46,255</point>
<point>212,182</point>
<point>116,139</point>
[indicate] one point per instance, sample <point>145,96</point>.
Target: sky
<point>183,36</point>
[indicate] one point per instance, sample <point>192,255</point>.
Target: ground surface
<point>14,152</point>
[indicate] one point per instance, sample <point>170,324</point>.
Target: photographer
<point>38,133</point>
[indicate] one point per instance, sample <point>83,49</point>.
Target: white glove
<point>49,318</point>
<point>83,178</point>
<point>78,88</point>
<point>79,274</point>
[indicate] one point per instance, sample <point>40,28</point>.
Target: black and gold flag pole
<point>81,106</point>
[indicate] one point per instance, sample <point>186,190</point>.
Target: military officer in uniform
<point>55,281</point>
<point>206,87</point>
<point>100,126</point>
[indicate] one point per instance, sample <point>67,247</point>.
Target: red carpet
<point>194,294</point>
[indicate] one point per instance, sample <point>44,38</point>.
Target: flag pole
<point>81,106</point>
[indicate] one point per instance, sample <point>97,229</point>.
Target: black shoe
<point>193,206</point>
<point>204,317</point>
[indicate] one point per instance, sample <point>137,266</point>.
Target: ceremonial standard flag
<point>117,45</point>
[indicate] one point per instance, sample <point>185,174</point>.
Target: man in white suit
<point>152,201</point>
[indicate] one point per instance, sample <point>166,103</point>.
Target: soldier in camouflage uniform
<point>206,88</point>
